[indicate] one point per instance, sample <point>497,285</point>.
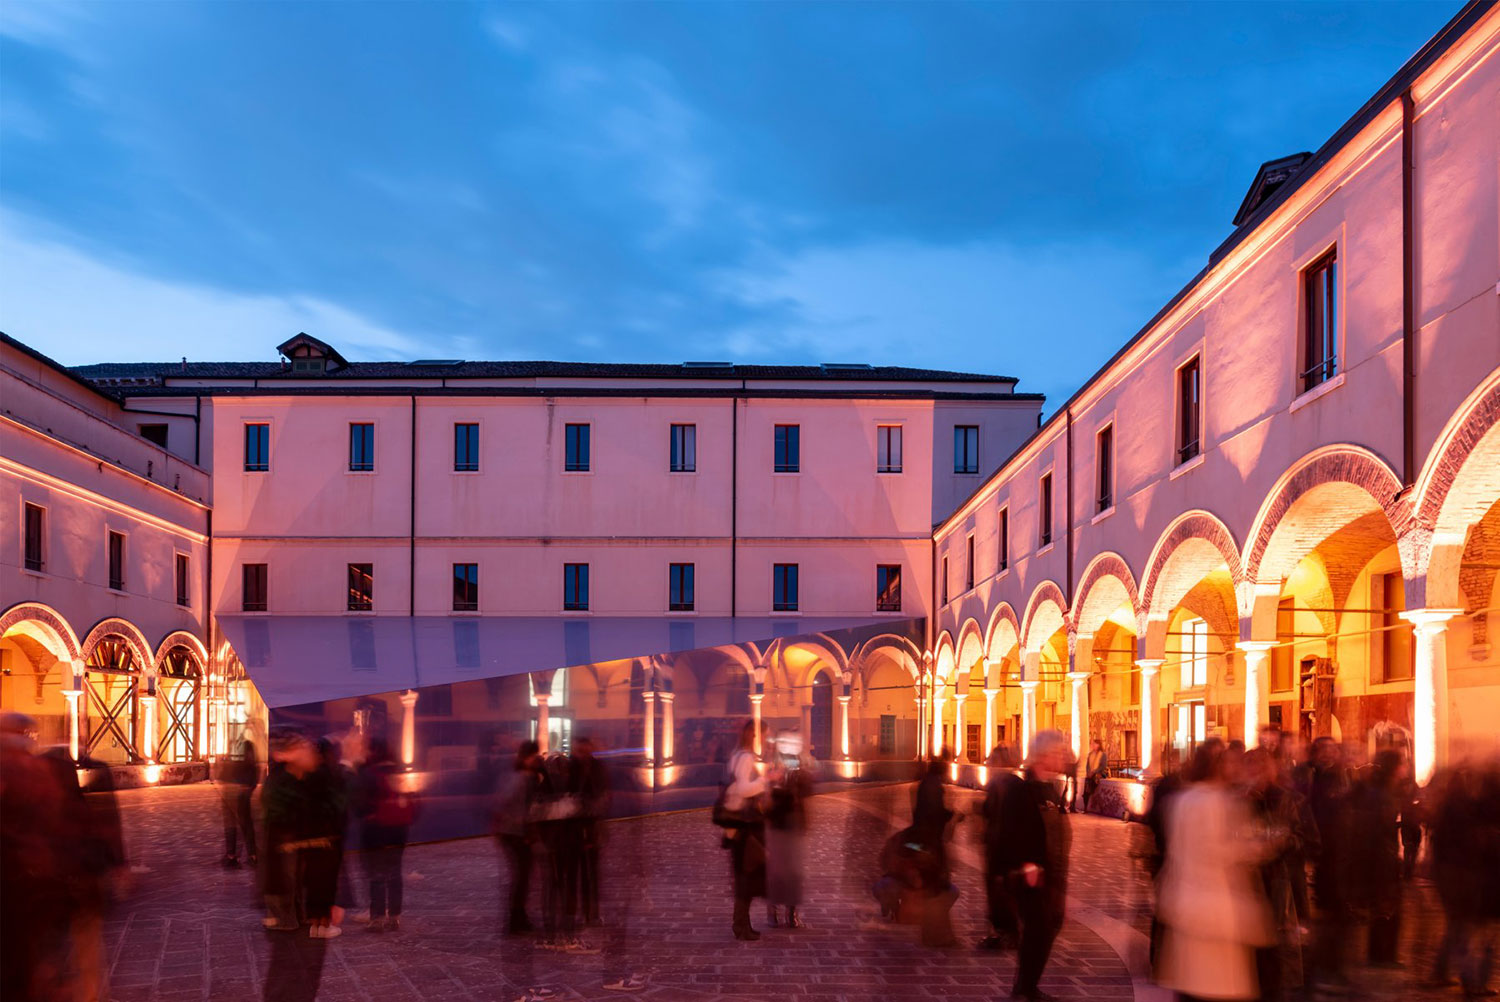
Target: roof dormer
<point>310,357</point>
<point>1271,176</point>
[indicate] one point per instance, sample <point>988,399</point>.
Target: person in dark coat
<point>238,775</point>
<point>930,813</point>
<point>1375,884</point>
<point>999,901</point>
<point>515,797</point>
<point>1283,814</point>
<point>1325,783</point>
<point>289,803</point>
<point>593,807</point>
<point>1035,842</point>
<point>386,812</point>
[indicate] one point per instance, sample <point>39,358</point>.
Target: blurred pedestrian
<point>1375,884</point>
<point>999,901</point>
<point>1096,770</point>
<point>592,781</point>
<point>741,816</point>
<point>1289,832</point>
<point>34,916</point>
<point>287,803</point>
<point>325,821</point>
<point>237,775</point>
<point>386,811</point>
<point>1211,902</point>
<point>516,793</point>
<point>786,829</point>
<point>1324,781</point>
<point>930,814</point>
<point>1033,851</point>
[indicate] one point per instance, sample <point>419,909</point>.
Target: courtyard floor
<point>190,930</point>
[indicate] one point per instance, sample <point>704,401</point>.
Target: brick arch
<point>144,662</point>
<point>1446,464</point>
<point>47,616</point>
<point>1336,465</point>
<point>1460,484</point>
<point>1002,615</point>
<point>1047,591</point>
<point>944,647</point>
<point>1188,527</point>
<point>1106,565</point>
<point>181,638</point>
<point>895,647</point>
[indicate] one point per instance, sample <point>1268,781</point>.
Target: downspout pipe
<point>1408,295</point>
<point>1068,516</point>
<point>412,538</point>
<point>734,503</point>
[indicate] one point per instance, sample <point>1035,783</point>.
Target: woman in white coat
<point>1210,898</point>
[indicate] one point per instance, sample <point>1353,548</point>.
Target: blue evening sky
<point>1010,188</point>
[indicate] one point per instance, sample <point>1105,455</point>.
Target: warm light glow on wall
<point>153,773</point>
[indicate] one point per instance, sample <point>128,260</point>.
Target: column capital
<point>649,695</point>
<point>666,697</point>
<point>959,697</point>
<point>409,698</point>
<point>1078,677</point>
<point>1257,646</point>
<point>756,697</point>
<point>1150,666</point>
<point>1030,684</point>
<point>1430,621</point>
<point>991,693</point>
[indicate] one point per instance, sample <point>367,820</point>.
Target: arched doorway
<point>112,702</point>
<point>820,720</point>
<point>36,652</point>
<point>179,680</point>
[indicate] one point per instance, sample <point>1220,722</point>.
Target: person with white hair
<point>1030,851</point>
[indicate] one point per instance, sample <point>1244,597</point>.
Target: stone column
<point>988,745</point>
<point>1080,715</point>
<point>1028,714</point>
<point>1150,668</point>
<point>938,699</point>
<point>668,727</point>
<point>757,693</point>
<point>1429,715</point>
<point>960,740</point>
<point>148,727</point>
<point>844,726</point>
<point>921,717</point>
<point>74,695</point>
<point>1257,687</point>
<point>648,700</point>
<point>409,725</point>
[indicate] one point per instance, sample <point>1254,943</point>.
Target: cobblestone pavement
<point>190,930</point>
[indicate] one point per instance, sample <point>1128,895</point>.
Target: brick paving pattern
<point>190,930</point>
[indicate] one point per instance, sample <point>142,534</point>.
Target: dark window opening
<point>784,588</point>
<point>117,561</point>
<point>888,588</point>
<point>888,448</point>
<point>253,587</point>
<point>1044,513</point>
<point>788,457</point>
<point>576,441</point>
<point>155,434</point>
<point>361,587</point>
<point>35,534</point>
<point>680,587</point>
<point>966,448</point>
<point>969,565</point>
<point>684,448</point>
<point>1189,411</point>
<point>576,587</point>
<point>465,587</point>
<point>1319,322</point>
<point>1004,538</point>
<point>182,579</point>
<point>361,447</point>
<point>466,448</point>
<point>945,580</point>
<point>257,448</point>
<point>1104,445</point>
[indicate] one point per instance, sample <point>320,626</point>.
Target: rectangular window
<point>972,738</point>
<point>1194,653</point>
<point>1397,657</point>
<point>887,744</point>
<point>465,587</point>
<point>1284,653</point>
<point>945,580</point>
<point>966,448</point>
<point>36,521</point>
<point>117,561</point>
<point>969,565</point>
<point>888,588</point>
<point>257,448</point>
<point>576,447</point>
<point>361,587</point>
<point>253,587</point>
<point>466,447</point>
<point>156,434</point>
<point>1319,322</point>
<point>788,457</point>
<point>361,447</point>
<point>183,579</point>
<point>1044,510</point>
<point>684,448</point>
<point>575,587</point>
<point>784,587</point>
<point>680,587</point>
<point>888,448</point>
<point>1104,468</point>
<point>1189,411</point>
<point>1004,561</point>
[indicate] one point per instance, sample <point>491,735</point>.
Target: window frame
<point>1193,654</point>
<point>945,590</point>
<point>367,464</point>
<point>262,464</point>
<point>1044,501</point>
<point>1002,529</point>
<point>682,447</point>
<point>352,582</point>
<point>575,591</point>
<point>1324,271</point>
<point>166,430</point>
<point>470,465</point>
<point>115,562</point>
<point>887,580</point>
<point>1104,468</point>
<point>965,462</point>
<point>1186,450</point>
<point>1395,634</point>
<point>35,564</point>
<point>790,598</point>
<point>466,586</point>
<point>682,587</point>
<point>263,573</point>
<point>889,448</point>
<point>578,437</point>
<point>786,448</point>
<point>182,577</point>
<point>970,573</point>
